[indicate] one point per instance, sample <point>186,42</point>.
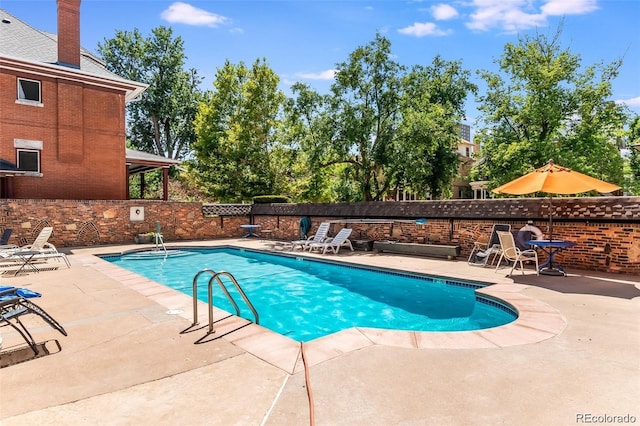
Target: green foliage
<point>235,126</point>
<point>364,109</point>
<point>632,166</point>
<point>364,136</point>
<point>432,106</point>
<point>152,185</point>
<point>542,107</point>
<point>268,199</point>
<point>304,125</point>
<point>161,121</point>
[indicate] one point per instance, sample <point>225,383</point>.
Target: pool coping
<point>536,322</point>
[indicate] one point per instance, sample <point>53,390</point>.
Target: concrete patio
<point>130,358</point>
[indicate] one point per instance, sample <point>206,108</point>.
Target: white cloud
<point>443,12</point>
<point>516,15</point>
<point>510,16</point>
<point>633,102</point>
<point>568,7</point>
<point>323,75</point>
<point>515,20</point>
<point>421,29</point>
<point>184,13</point>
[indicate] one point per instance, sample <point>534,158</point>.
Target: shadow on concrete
<point>624,288</point>
<point>213,335</point>
<point>23,353</point>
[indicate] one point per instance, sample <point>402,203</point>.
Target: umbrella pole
<point>550,218</point>
<point>550,270</point>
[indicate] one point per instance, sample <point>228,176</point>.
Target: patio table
<point>251,230</point>
<point>26,257</point>
<point>551,247</point>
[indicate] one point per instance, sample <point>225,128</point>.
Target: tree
<point>364,108</point>
<point>303,127</point>
<point>548,109</point>
<point>378,119</point>
<point>161,121</point>
<point>235,127</point>
<point>633,166</point>
<point>432,106</point>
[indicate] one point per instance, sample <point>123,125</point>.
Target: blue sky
<point>303,40</point>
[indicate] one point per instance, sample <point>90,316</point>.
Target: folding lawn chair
<point>14,304</point>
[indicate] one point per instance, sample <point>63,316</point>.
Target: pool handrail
<point>216,276</point>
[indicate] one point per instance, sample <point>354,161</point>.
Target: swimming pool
<point>305,298</point>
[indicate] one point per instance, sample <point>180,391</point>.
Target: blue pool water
<point>306,299</point>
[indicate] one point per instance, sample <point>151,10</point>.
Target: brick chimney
<point>69,33</point>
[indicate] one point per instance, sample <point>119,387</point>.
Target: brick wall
<point>85,223</point>
<point>82,131</point>
<point>606,229</point>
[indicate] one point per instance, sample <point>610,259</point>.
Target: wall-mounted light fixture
<point>136,214</point>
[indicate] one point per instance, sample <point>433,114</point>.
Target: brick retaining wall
<point>606,229</point>
<point>85,223</point>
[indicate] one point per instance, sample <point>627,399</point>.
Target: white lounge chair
<point>513,254</point>
<point>40,250</point>
<point>319,237</point>
<point>40,243</point>
<point>334,244</point>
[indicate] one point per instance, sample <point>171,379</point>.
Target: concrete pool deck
<point>573,353</point>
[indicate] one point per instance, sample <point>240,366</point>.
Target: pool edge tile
<point>334,345</point>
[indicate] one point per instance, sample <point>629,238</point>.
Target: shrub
<point>268,199</point>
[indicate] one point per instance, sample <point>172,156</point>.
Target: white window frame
<point>25,145</point>
<point>37,152</point>
<point>21,98</point>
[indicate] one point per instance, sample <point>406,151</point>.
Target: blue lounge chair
<point>14,304</point>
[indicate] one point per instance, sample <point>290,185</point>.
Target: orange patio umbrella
<point>554,179</point>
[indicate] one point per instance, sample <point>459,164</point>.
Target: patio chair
<point>512,253</point>
<point>14,304</point>
<point>483,250</point>
<point>334,244</point>
<point>319,237</point>
<point>29,256</point>
<point>40,243</point>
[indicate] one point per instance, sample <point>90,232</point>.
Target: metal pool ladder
<point>157,237</point>
<point>216,276</point>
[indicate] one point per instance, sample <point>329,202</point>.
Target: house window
<point>28,160</point>
<point>468,150</point>
<point>29,90</point>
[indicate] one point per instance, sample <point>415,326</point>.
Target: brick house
<point>62,116</point>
